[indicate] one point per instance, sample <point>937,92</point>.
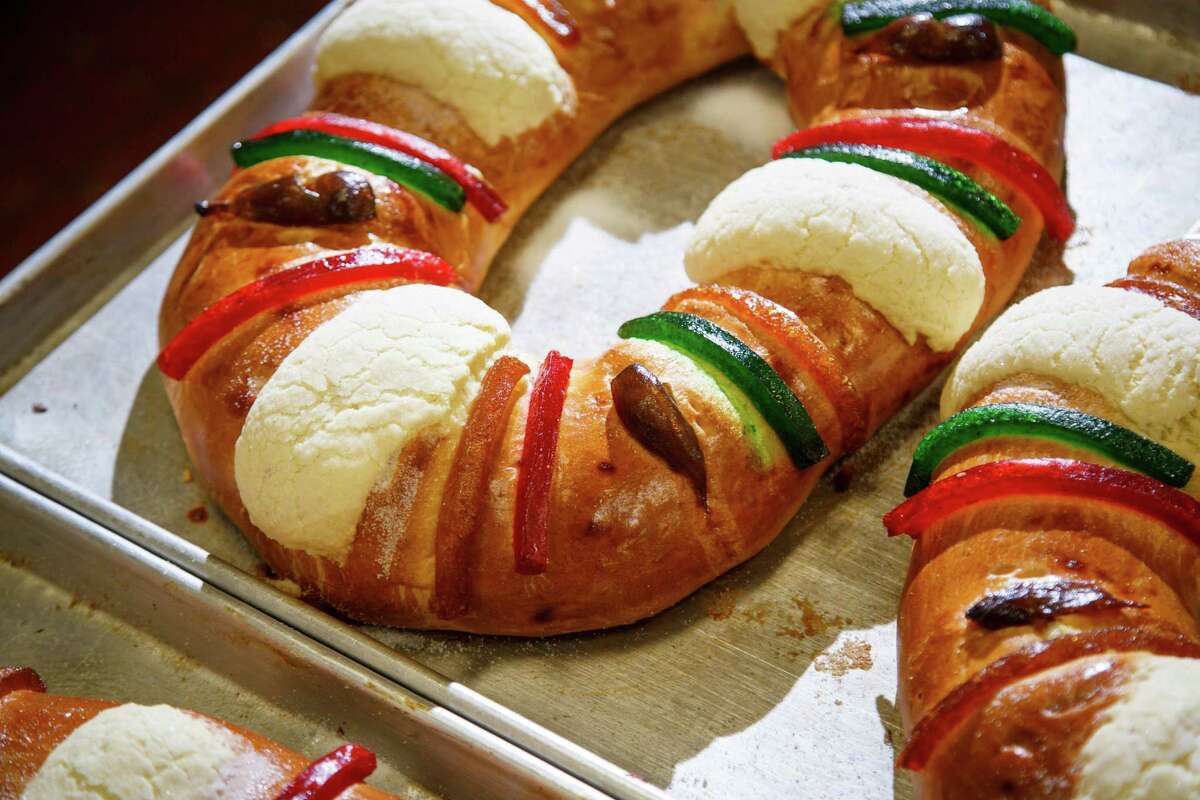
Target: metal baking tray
<point>98,616</point>
<point>776,680</point>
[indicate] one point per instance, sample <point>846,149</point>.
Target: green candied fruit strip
<point>735,366</point>
<point>399,167</point>
<point>754,426</point>
<point>957,189</point>
<point>1021,15</point>
<point>1074,428</point>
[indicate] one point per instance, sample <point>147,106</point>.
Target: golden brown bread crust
<point>628,536</point>
<point>1020,97</point>
<point>661,43</point>
<point>985,547</point>
<point>1176,262</point>
<point>941,648</point>
<point>1013,748</point>
<point>32,724</point>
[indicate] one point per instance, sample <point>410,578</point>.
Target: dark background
<point>90,89</point>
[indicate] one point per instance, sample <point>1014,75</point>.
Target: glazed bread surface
<point>628,536</point>
<point>1049,732</point>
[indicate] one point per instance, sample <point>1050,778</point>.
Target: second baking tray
<point>97,616</point>
<point>776,680</point>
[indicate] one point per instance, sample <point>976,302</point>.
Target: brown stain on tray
<point>801,620</point>
<point>722,604</point>
<point>808,621</point>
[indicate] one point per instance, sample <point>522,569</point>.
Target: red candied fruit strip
<point>332,774</point>
<point>530,531</point>
<point>480,194</point>
<point>1060,477</point>
<point>465,488</point>
<point>1168,294</point>
<point>364,265</point>
<point>939,138</point>
<point>981,688</point>
<point>20,679</point>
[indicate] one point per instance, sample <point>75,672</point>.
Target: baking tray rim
<point>292,615</point>
<point>295,618</point>
<point>495,750</point>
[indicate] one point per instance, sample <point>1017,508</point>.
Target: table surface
<point>92,89</point>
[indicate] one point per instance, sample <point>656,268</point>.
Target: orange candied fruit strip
<point>782,331</point>
<point>462,501</point>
